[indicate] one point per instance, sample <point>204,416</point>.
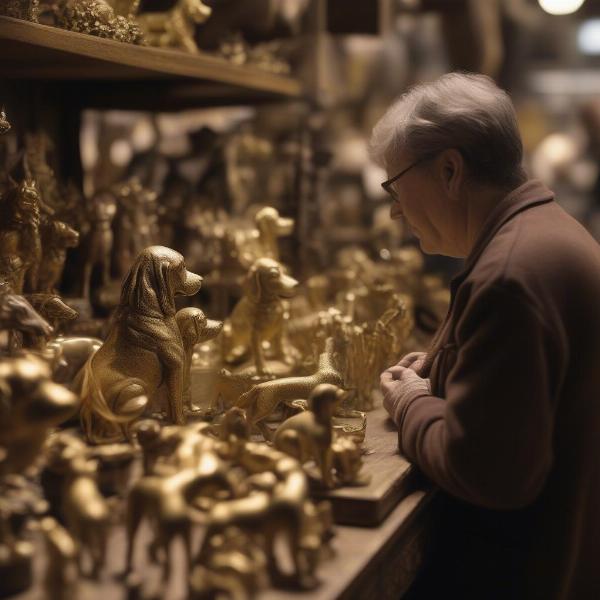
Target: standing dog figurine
<point>143,348</point>
<point>175,27</point>
<point>258,316</point>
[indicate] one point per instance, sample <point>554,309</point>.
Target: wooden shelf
<point>34,51</point>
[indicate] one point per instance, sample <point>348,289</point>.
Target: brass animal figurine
<point>348,463</point>
<point>4,122</point>
<point>30,404</point>
<point>262,399</point>
<point>269,514</point>
<point>56,238</point>
<point>258,316</point>
<point>172,448</point>
<point>20,241</point>
<point>98,242</point>
<point>175,28</point>
<point>60,579</point>
<point>235,568</point>
<point>264,241</point>
<point>84,509</point>
<point>52,308</point>
<point>143,349</point>
<point>167,501</point>
<point>309,434</point>
<point>195,328</point>
<point>18,318</point>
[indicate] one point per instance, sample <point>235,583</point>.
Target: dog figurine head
<point>60,235</point>
<point>155,278</point>
<point>195,328</point>
<point>266,279</point>
<point>196,10</point>
<point>268,222</point>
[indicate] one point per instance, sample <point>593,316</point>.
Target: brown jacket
<point>512,430</point>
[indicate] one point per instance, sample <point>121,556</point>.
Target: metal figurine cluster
<point>183,25</point>
<point>216,433</point>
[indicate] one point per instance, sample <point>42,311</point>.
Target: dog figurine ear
<point>163,287</point>
<point>253,283</point>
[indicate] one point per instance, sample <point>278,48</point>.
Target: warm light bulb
<point>561,7</point>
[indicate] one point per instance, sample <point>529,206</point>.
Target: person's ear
<point>452,169</point>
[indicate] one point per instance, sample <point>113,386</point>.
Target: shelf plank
<point>34,51</point>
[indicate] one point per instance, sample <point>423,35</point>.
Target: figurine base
<point>391,479</point>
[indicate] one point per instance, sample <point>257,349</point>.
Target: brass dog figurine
<point>176,27</point>
<point>258,316</point>
<point>309,434</point>
<point>143,348</point>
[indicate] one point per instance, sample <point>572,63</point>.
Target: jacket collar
<point>531,193</point>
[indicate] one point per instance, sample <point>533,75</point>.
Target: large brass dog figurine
<point>143,348</point>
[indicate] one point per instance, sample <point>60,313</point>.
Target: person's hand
<point>413,360</point>
<point>400,386</point>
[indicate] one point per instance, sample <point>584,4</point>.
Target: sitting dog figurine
<point>258,316</point>
<point>175,27</point>
<point>195,328</point>
<point>143,348</point>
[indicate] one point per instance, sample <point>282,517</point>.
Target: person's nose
<point>396,211</point>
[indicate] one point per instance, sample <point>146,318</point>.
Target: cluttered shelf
<point>30,50</point>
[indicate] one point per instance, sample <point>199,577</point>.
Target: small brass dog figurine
<point>258,316</point>
<point>175,28</point>
<point>309,434</point>
<point>195,328</point>
<point>143,349</point>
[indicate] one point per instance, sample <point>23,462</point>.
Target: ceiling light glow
<point>561,7</point>
<point>588,37</point>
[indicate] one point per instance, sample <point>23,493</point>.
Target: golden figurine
<point>4,122</point>
<point>143,348</point>
<point>98,242</point>
<point>262,399</point>
<point>57,237</point>
<point>20,241</point>
<point>61,570</point>
<point>269,514</point>
<point>31,404</point>
<point>258,316</point>
<point>235,567</point>
<point>175,28</point>
<point>195,328</point>
<point>165,500</point>
<point>309,434</point>
<point>264,241</point>
<point>18,318</point>
<point>52,308</point>
<point>84,509</point>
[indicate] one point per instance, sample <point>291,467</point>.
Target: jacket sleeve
<point>489,442</point>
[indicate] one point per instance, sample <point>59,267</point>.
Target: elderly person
<point>503,411</point>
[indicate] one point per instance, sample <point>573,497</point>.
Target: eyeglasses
<point>387,185</point>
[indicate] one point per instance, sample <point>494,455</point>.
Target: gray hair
<point>465,111</point>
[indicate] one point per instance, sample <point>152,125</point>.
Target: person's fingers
<point>396,371</point>
<point>410,358</point>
